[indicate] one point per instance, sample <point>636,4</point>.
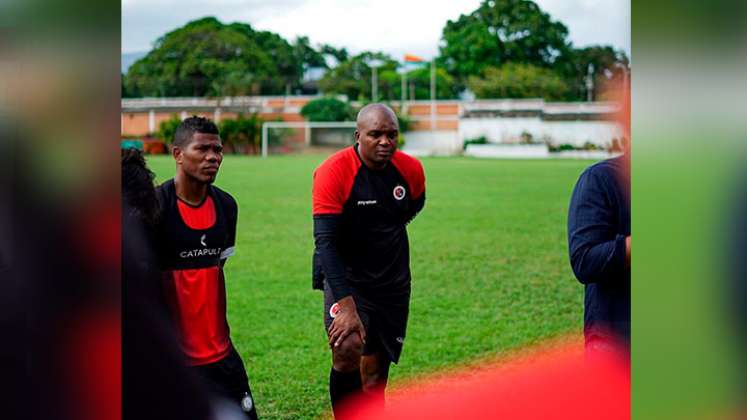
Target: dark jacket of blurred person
<point>155,382</point>
<point>599,247</point>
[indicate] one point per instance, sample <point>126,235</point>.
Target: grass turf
<point>488,257</point>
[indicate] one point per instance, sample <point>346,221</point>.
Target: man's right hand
<point>345,323</point>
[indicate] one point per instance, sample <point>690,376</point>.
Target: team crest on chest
<point>334,310</point>
<point>399,192</point>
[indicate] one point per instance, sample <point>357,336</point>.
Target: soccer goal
<point>286,137</point>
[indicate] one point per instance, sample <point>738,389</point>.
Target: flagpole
<point>404,90</point>
<point>433,94</point>
<point>374,85</point>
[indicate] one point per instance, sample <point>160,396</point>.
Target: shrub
<point>527,138</point>
<point>241,134</point>
<point>476,140</point>
<point>327,109</point>
<point>167,129</point>
<point>404,122</point>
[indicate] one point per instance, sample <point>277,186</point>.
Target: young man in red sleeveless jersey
<point>363,198</point>
<point>196,235</point>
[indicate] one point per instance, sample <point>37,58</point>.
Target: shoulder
<point>601,177</point>
<point>333,180</point>
<point>224,198</point>
<point>411,169</point>
<point>603,172</point>
<point>165,186</point>
<point>342,164</point>
<point>165,191</point>
<point>406,162</point>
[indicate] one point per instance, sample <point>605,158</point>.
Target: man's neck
<point>189,189</point>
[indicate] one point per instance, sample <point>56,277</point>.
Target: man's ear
<point>176,152</point>
<point>357,135</point>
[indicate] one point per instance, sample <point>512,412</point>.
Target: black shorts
<point>227,379</point>
<point>385,321</point>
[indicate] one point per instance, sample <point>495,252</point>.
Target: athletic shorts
<point>385,321</point>
<point>227,379</point>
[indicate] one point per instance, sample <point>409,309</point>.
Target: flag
<point>409,58</point>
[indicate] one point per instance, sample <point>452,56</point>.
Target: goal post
<point>308,129</point>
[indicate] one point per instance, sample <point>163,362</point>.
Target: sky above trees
<point>392,26</point>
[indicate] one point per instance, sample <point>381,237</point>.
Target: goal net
<point>283,137</point>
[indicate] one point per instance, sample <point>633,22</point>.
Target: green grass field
<point>489,263</point>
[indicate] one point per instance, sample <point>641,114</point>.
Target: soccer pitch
<point>488,256</point>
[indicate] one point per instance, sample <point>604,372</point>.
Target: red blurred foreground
<point>551,384</point>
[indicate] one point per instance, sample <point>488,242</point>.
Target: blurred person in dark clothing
<point>155,383</point>
<point>599,248</point>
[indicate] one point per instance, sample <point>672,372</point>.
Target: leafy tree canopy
<point>515,80</point>
<point>208,58</point>
<point>502,32</point>
<point>327,109</point>
<point>609,67</point>
<point>499,32</point>
<point>352,77</point>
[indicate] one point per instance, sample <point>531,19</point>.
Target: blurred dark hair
<point>138,191</point>
<point>190,126</point>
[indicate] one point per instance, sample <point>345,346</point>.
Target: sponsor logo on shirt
<point>334,310</point>
<point>195,253</point>
<point>366,202</point>
<point>399,192</point>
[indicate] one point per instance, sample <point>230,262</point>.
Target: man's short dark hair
<point>190,126</point>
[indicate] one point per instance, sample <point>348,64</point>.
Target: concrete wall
<point>432,143</point>
<point>515,151</point>
<point>509,130</point>
<point>500,120</point>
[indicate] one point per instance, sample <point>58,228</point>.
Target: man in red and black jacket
<point>363,198</point>
<point>195,236</point>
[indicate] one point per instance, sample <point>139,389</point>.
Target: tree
<point>125,92</point>
<point>500,32</point>
<point>288,67</point>
<point>352,77</point>
<point>420,79</point>
<point>208,58</point>
<point>327,109</point>
<point>609,64</point>
<point>519,81</point>
<point>307,55</point>
<point>188,60</point>
<point>339,54</point>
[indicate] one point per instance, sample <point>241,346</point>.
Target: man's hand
<point>345,323</point>
<point>627,251</point>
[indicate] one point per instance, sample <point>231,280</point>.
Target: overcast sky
<point>395,27</point>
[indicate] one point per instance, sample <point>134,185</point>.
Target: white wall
<point>515,151</point>
<point>509,130</point>
<point>432,143</point>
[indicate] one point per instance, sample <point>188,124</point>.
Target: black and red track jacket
<point>360,219</point>
<point>193,242</point>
